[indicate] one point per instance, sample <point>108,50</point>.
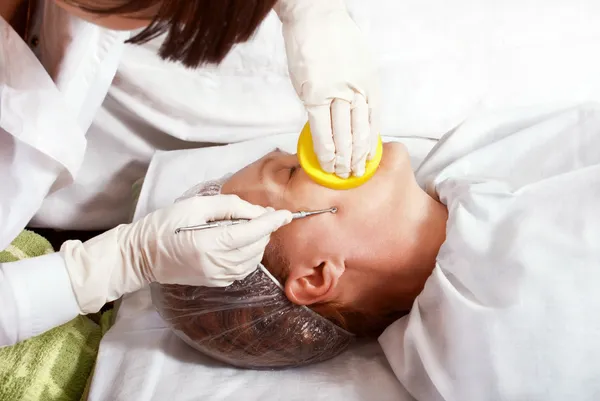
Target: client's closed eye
<point>293,170</point>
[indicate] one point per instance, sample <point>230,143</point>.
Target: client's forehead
<point>258,182</point>
<point>263,167</point>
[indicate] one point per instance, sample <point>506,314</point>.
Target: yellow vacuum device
<point>310,164</point>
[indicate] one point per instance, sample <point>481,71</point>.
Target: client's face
<point>277,180</point>
<point>347,257</point>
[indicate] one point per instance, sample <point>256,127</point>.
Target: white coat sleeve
<point>41,144</point>
<point>35,296</point>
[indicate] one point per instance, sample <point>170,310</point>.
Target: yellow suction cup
<point>310,164</point>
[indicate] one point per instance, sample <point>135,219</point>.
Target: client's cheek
<point>316,234</point>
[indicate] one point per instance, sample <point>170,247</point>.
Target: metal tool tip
<point>334,210</point>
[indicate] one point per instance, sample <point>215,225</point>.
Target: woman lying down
<point>491,250</point>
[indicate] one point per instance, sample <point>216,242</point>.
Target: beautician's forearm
<point>35,296</point>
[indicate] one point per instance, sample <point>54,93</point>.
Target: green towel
<point>26,245</point>
<point>55,365</point>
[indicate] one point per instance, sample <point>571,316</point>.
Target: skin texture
<point>8,8</point>
<point>114,22</point>
<point>375,253</point>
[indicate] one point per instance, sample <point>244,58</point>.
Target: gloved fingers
<point>237,272</point>
<point>244,259</point>
<point>374,123</point>
<point>361,135</point>
<point>241,235</point>
<point>229,265</point>
<point>342,136</point>
<point>319,118</point>
<point>227,207</point>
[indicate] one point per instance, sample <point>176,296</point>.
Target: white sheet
<point>511,309</point>
<point>140,359</point>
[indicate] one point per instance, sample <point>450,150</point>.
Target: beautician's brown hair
<point>197,31</point>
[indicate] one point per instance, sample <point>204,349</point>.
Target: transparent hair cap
<point>206,188</point>
<point>250,324</point>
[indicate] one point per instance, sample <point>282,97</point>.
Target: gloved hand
<point>331,70</point>
<point>129,256</point>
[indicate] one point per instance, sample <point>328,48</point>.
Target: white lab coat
<point>43,153</point>
<point>128,103</point>
<point>511,309</point>
<point>53,100</point>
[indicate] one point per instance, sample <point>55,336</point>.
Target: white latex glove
<point>129,256</point>
<point>331,70</point>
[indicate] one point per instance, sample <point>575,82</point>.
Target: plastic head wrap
<point>251,323</point>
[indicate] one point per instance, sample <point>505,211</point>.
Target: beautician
<point>52,85</point>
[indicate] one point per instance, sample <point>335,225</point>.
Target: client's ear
<point>307,285</point>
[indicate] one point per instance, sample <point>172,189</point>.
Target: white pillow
<point>140,358</point>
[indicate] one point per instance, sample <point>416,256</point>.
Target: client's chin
<point>395,155</point>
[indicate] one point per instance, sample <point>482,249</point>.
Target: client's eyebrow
<point>265,161</point>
